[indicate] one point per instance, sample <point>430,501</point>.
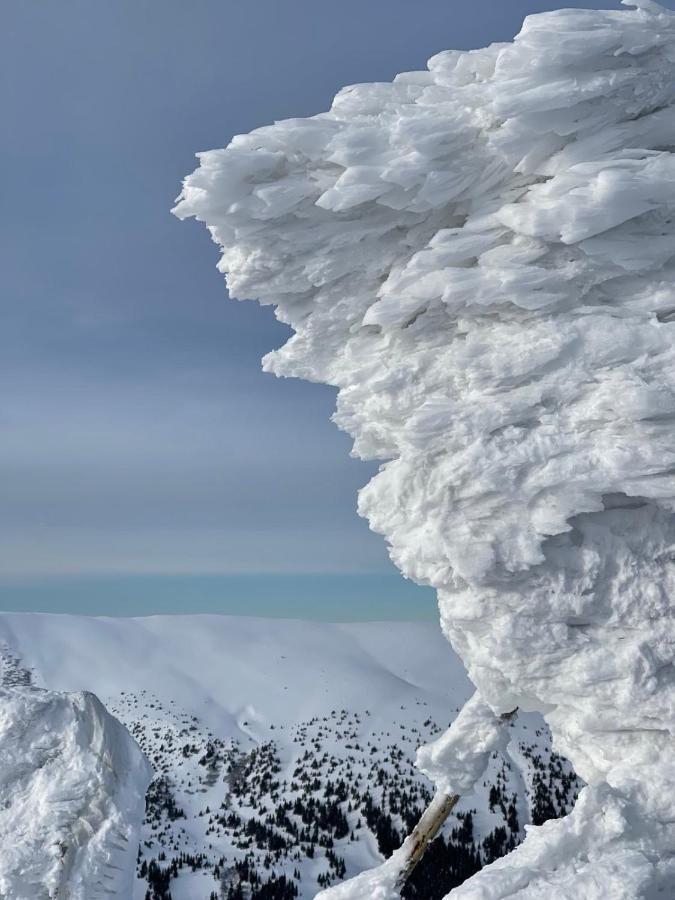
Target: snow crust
<point>72,788</point>
<point>373,884</point>
<point>481,258</point>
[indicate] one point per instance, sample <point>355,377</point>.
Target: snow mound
<point>481,258</point>
<point>603,849</point>
<point>72,788</point>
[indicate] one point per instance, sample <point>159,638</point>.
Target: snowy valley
<point>283,750</point>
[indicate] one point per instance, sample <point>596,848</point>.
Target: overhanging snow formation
<point>481,258</point>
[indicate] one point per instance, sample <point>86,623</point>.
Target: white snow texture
<point>481,258</point>
<point>72,791</point>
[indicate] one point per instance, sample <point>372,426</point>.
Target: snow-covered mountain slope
<point>72,787</point>
<point>228,669</point>
<point>480,257</point>
<point>285,749</point>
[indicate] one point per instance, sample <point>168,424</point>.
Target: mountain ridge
<point>283,750</point>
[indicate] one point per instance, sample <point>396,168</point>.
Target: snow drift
<point>481,258</point>
<point>72,789</point>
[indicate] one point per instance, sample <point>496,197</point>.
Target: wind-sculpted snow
<point>481,258</point>
<point>72,786</point>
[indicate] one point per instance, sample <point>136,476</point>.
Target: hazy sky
<point>139,434</point>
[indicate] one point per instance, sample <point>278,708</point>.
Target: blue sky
<point>139,434</point>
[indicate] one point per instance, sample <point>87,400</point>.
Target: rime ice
<point>72,790</point>
<point>481,258</point>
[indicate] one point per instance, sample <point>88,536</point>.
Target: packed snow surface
<point>480,257</point>
<point>72,788</point>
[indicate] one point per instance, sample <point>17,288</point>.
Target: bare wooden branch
<point>425,831</point>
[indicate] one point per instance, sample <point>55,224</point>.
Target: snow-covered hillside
<point>287,747</point>
<point>72,787</point>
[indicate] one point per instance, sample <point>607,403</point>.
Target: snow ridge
<point>72,787</point>
<point>481,258</point>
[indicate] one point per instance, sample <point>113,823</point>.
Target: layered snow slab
<point>72,788</point>
<point>481,258</point>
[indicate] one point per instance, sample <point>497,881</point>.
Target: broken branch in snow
<point>425,831</point>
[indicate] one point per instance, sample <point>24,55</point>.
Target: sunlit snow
<point>480,257</point>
